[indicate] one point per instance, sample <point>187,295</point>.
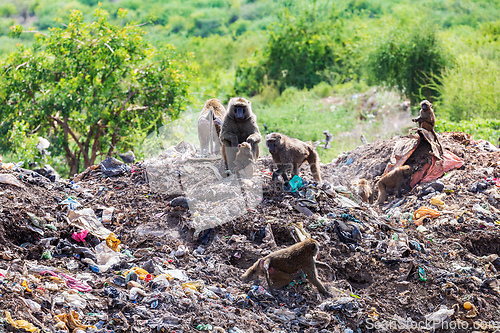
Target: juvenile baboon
<point>279,266</point>
<point>289,154</point>
<point>328,138</point>
<point>365,191</point>
<point>209,126</point>
<point>427,118</point>
<point>244,160</point>
<point>239,125</point>
<point>393,179</point>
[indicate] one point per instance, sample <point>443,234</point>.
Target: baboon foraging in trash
<point>393,179</point>
<point>244,160</point>
<point>210,125</point>
<point>289,154</point>
<point>279,266</point>
<point>365,191</point>
<point>239,125</point>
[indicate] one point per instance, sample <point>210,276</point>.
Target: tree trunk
<point>73,167</point>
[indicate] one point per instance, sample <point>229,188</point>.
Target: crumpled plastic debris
<point>112,242</point>
<point>71,282</point>
<point>20,324</point>
<point>10,179</point>
<point>424,212</point>
<point>86,219</point>
<point>70,321</point>
<point>80,236</point>
<point>71,203</point>
<point>295,183</point>
<point>437,319</point>
<point>111,167</point>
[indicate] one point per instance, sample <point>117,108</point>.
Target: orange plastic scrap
<point>70,321</point>
<point>420,214</point>
<point>112,242</point>
<point>20,324</point>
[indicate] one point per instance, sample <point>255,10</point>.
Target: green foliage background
<point>289,56</point>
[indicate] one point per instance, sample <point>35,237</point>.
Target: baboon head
<point>407,170</point>
<point>273,142</point>
<point>239,109</point>
<point>425,105</point>
<point>362,181</point>
<point>245,148</point>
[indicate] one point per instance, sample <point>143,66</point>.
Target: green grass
<point>486,129</point>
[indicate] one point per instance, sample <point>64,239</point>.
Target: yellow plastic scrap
<point>25,285</point>
<point>141,273</point>
<point>195,285</point>
<point>420,214</point>
<point>70,321</point>
<point>20,324</point>
<point>437,201</point>
<point>112,242</point>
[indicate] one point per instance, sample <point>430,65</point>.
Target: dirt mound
<point>391,270</point>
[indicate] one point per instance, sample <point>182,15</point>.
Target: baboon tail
<point>313,160</point>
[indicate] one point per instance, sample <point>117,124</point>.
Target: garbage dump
<point>160,246</point>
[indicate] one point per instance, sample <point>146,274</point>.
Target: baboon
<point>427,118</point>
<point>393,179</point>
<point>328,138</point>
<point>209,126</point>
<point>279,266</point>
<point>365,191</point>
<point>244,160</point>
<point>289,154</point>
<point>239,125</point>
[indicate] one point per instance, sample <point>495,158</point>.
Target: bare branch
<point>109,47</point>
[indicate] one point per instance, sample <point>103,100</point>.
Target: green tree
<point>407,58</point>
<point>301,52</point>
<point>95,87</point>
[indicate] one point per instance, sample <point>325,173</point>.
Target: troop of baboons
<point>235,134</point>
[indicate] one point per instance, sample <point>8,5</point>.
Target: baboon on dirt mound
<point>210,125</point>
<point>244,160</point>
<point>289,154</point>
<point>279,266</point>
<point>239,125</point>
<point>393,179</point>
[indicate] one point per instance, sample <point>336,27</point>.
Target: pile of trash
<point>160,245</point>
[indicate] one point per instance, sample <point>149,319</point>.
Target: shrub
<point>470,90</point>
<point>406,58</point>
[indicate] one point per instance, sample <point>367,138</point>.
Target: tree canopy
<point>95,87</point>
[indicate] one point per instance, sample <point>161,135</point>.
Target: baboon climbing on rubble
<point>427,118</point>
<point>278,266</point>
<point>210,125</point>
<point>365,191</point>
<point>244,160</point>
<point>239,125</point>
<point>393,179</point>
<point>289,154</point>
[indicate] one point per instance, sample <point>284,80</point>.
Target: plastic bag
<point>106,257</point>
<point>20,324</point>
<point>80,236</point>
<point>10,179</point>
<point>436,319</point>
<point>112,242</point>
<point>86,219</point>
<point>70,321</point>
<point>112,167</point>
